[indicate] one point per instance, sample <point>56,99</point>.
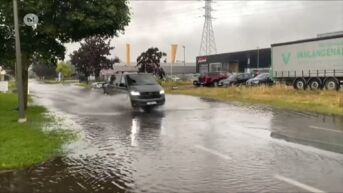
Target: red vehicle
<point>210,79</point>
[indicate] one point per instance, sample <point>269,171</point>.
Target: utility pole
<point>22,117</point>
<point>184,55</point>
<point>258,57</point>
<point>208,43</point>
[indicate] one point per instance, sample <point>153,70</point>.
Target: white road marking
<point>325,129</point>
<point>214,152</point>
<point>97,114</point>
<point>298,184</point>
<point>82,186</point>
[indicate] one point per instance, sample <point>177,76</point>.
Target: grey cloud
<point>238,26</point>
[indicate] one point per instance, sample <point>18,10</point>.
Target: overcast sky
<point>238,25</point>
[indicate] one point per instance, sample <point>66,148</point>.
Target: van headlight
<point>134,93</point>
<point>162,92</point>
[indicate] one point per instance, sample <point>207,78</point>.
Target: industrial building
<point>169,68</point>
<point>241,61</point>
<point>179,68</point>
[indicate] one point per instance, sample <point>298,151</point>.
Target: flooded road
<point>189,145</point>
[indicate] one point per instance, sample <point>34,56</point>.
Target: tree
<point>64,69</point>
<point>59,22</point>
<point>43,69</point>
<point>6,46</point>
<point>91,57</point>
<point>149,61</point>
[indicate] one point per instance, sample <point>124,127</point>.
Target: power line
<point>248,11</point>
<point>208,43</point>
<point>184,12</point>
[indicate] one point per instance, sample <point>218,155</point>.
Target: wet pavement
<point>189,145</point>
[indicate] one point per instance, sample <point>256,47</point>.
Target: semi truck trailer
<point>312,63</point>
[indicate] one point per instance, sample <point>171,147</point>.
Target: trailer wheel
<point>299,84</point>
<point>331,84</point>
<point>315,84</point>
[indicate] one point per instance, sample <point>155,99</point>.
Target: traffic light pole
<point>19,73</point>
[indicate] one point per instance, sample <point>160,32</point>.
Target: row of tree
<point>92,57</point>
<point>59,22</point>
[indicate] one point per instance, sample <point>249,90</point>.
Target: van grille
<point>150,95</point>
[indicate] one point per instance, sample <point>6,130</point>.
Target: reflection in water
<point>143,122</point>
<point>134,130</point>
<point>321,131</point>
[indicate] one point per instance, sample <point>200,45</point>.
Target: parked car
<point>210,79</point>
<point>142,88</point>
<point>260,79</point>
<point>235,80</point>
<point>225,81</point>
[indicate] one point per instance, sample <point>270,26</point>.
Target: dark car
<point>261,79</point>
<point>210,79</point>
<point>236,80</point>
<point>142,88</point>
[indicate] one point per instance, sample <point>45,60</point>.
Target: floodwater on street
<point>189,145</point>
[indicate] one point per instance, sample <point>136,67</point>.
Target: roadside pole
<point>171,71</point>
<point>173,58</point>
<point>184,55</point>
<point>22,117</point>
<point>258,57</point>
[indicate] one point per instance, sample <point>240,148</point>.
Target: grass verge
<point>53,81</point>
<point>68,82</point>
<point>84,85</point>
<point>23,145</point>
<point>171,84</point>
<point>12,87</point>
<point>279,96</point>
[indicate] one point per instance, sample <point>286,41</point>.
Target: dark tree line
<point>59,22</point>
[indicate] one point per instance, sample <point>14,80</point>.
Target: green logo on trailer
<point>286,57</point>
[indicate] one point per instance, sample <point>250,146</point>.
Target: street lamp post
<point>22,117</point>
<point>184,55</point>
<point>258,57</point>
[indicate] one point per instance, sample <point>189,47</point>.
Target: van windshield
<point>140,79</point>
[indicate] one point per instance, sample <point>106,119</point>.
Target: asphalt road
<point>189,145</point>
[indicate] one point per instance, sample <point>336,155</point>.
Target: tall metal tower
<point>208,43</point>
